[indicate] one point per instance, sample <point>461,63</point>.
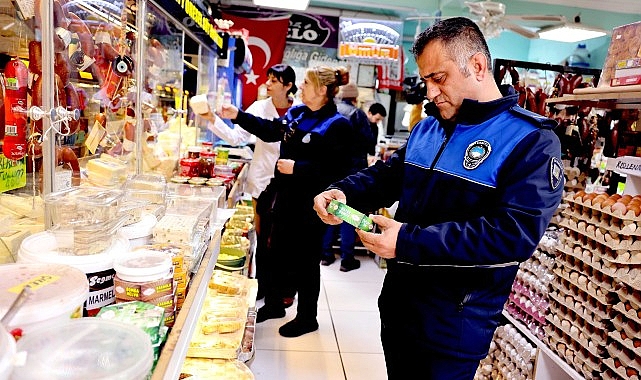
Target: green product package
<point>351,216</point>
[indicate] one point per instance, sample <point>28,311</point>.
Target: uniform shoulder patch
<point>556,173</point>
<point>476,153</point>
<point>534,118</point>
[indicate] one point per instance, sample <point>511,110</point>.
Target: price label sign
<point>13,174</point>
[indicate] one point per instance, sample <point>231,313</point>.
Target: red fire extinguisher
<point>16,75</point>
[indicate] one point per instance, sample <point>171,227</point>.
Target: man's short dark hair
<point>377,108</point>
<point>461,38</point>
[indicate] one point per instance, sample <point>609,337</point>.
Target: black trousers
<point>296,252</point>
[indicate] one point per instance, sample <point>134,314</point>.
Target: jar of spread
<point>194,151</point>
<point>189,167</point>
<point>206,163</point>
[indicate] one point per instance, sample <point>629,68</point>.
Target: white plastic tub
<point>7,351</point>
<point>85,348</point>
<point>57,294</point>
<point>42,247</point>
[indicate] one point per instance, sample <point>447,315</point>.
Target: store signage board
<point>193,19</point>
<point>369,41</point>
<point>630,166</point>
<point>13,174</point>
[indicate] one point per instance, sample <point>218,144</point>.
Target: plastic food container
<point>42,247</point>
<point>86,205</point>
<point>139,233</point>
<point>143,275</point>
<point>149,187</point>
<point>57,294</point>
<point>7,351</point>
<point>86,348</point>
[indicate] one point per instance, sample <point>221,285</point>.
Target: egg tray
<point>628,358</point>
<point>598,343</point>
<point>631,327</point>
<point>574,354</point>
<point>587,331</point>
<point>621,370</point>
<point>592,261</point>
<point>629,311</point>
<point>628,293</point>
<point>575,201</point>
<point>583,276</point>
<point>568,354</point>
<point>577,288</point>
<point>632,279</point>
<point>603,302</point>
<point>537,315</point>
<point>595,321</point>
<point>539,299</point>
<point>510,356</point>
<point>601,256</point>
<point>614,240</point>
<point>582,311</point>
<point>626,341</point>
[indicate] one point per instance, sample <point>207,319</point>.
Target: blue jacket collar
<point>475,112</point>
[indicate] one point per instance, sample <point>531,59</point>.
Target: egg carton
<point>629,326</point>
<point>586,314</point>
<point>633,344</point>
<point>620,369</point>
<point>625,356</point>
<point>629,311</point>
<point>574,277</point>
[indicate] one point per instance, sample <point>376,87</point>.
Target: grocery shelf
<point>603,99</point>
<point>543,370</point>
<point>175,349</point>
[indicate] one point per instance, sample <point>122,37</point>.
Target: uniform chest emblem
<point>476,153</point>
<point>307,138</point>
<point>556,173</point>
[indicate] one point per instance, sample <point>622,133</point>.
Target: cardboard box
<point>625,45</point>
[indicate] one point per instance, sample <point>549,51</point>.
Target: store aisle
<point>347,344</point>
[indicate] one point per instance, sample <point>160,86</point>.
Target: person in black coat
<point>314,152</point>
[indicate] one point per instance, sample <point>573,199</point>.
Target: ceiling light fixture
<point>292,5</point>
<point>571,32</point>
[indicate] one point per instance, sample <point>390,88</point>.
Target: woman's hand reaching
<point>227,111</point>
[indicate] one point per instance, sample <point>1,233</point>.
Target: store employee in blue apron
<point>477,183</point>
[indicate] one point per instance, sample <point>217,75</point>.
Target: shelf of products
<point>175,349</point>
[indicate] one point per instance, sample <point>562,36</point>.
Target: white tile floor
<point>347,344</point>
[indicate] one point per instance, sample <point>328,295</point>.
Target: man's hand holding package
<point>382,243</point>
<point>322,200</point>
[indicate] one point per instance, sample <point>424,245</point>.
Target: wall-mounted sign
<point>193,19</point>
<point>369,41</point>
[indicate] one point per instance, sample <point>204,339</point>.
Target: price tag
<point>13,174</point>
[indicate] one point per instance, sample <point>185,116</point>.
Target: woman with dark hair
<point>314,152</point>
<point>281,89</point>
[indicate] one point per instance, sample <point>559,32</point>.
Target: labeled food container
<point>57,293</point>
<point>7,351</point>
<point>143,275</point>
<point>222,156</point>
<point>141,232</point>
<point>99,271</point>
<point>86,348</point>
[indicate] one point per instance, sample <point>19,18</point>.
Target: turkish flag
<point>267,37</point>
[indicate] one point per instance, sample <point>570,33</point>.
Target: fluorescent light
<point>294,5</point>
<point>570,32</point>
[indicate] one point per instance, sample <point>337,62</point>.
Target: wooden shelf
<point>603,99</point>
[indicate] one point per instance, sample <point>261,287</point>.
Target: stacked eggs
<point>599,253</point>
<point>511,356</point>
